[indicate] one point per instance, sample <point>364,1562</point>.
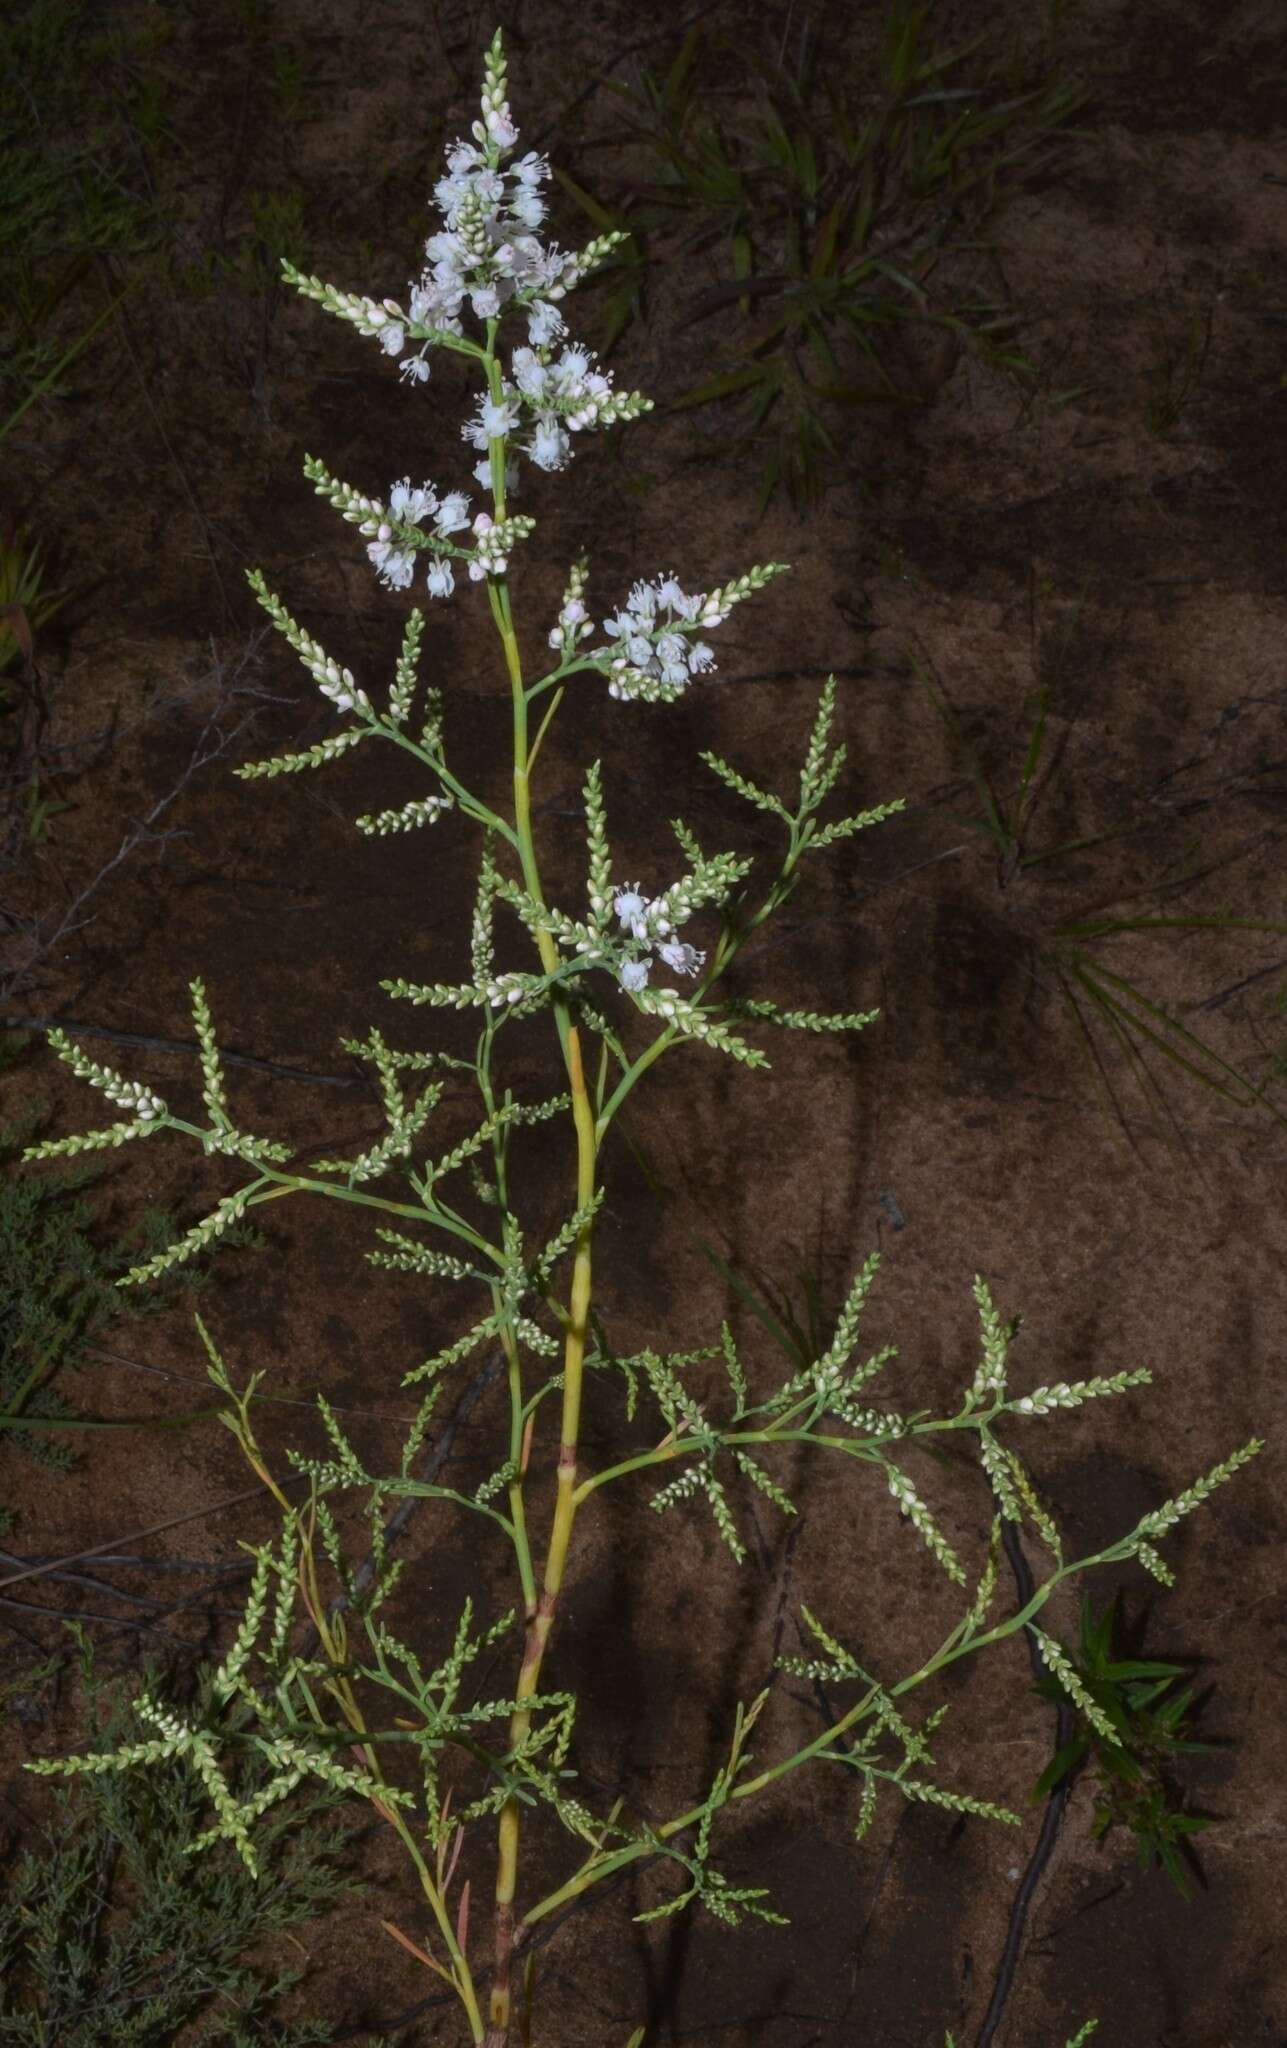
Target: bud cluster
<point>574,621</point>
<point>131,1096</point>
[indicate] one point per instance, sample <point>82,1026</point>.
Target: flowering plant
<point>607,972</point>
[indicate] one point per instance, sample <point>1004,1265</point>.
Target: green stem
<point>472,805</point>
<point>870,1448</point>
<point>541,1614</point>
<point>730,944</point>
<point>950,1652</point>
<point>517,1509</point>
<point>259,1192</point>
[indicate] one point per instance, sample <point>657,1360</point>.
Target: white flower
<point>532,169</point>
<point>446,252</point>
<point>429,304</point>
<point>392,338</point>
<point>448,194</point>
<point>529,207</point>
<point>393,565</point>
<point>544,323</point>
<point>453,513</point>
<point>415,369</point>
<point>571,367</point>
<point>699,658</point>
<point>550,447</point>
<point>441,579</point>
<point>398,568</point>
<point>629,905</point>
<point>412,505</point>
<point>498,419</point>
<point>683,959</point>
<point>530,374</point>
<point>634,975</point>
<point>485,300</point>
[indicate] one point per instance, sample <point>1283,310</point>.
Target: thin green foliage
<point>68,196</point>
<point>62,1264</point>
<point>1139,1729</point>
<point>24,590</point>
<point>1113,1022</point>
<point>1176,367</point>
<point>842,202</point>
<point>110,1932</point>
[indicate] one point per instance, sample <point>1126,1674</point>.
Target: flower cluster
<point>390,552</point>
<point>485,250</point>
<point>651,928</point>
<point>488,256</point>
<point>563,394</point>
<point>654,655</point>
<point>488,253</point>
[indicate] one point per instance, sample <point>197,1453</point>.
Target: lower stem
<point>565,1507</point>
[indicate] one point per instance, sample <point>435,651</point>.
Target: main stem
<point>540,1616</point>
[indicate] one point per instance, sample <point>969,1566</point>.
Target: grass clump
<point>60,1268</point>
<point>1151,1728</point>
<point>112,1932</point>
<point>841,201</point>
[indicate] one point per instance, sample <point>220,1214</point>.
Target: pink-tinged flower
<point>683,959</point>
